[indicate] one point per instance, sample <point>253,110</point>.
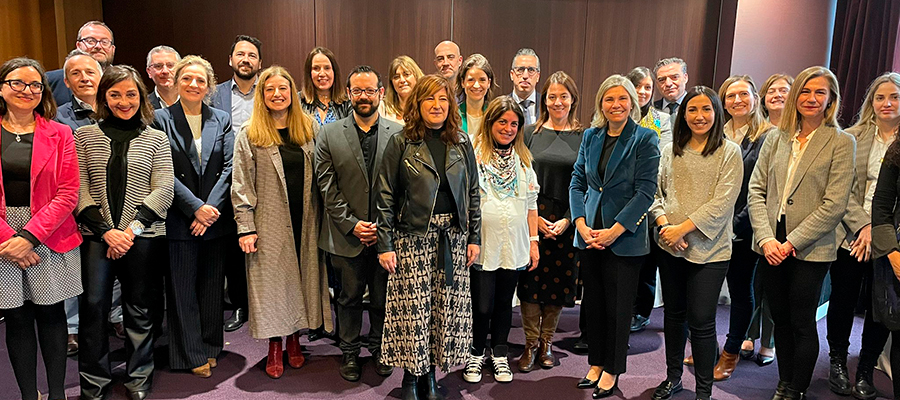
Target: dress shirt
<point>531,109</point>
<point>162,101</point>
<point>241,104</point>
<point>876,157</point>
<point>736,136</point>
<point>368,142</point>
<point>797,150</point>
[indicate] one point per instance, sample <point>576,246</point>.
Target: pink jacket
<point>54,188</point>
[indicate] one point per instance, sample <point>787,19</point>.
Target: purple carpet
<point>240,372</point>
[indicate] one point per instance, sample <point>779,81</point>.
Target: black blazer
<point>741,219</point>
<point>74,116</point>
<point>199,180</point>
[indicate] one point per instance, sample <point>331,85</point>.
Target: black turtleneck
<point>503,146</point>
<point>444,203</point>
<point>645,109</point>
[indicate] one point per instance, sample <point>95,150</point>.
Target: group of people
<point>432,203</point>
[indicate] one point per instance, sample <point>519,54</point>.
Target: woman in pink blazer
<point>39,260</point>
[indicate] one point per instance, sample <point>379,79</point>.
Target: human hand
<point>207,215</point>
<point>388,261</point>
<point>248,243</point>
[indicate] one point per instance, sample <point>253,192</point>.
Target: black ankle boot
<point>864,388</point>
<point>410,387</point>
<point>791,394</point>
<point>429,387</point>
<point>838,377</point>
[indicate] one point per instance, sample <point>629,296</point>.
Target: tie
<point>526,104</point>
<point>673,108</point>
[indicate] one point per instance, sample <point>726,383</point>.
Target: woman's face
<point>124,99</point>
<point>700,115</point>
<point>616,105</point>
<point>434,109</point>
<point>192,83</point>
<point>776,94</point>
<point>739,99</point>
<point>885,102</point>
<point>644,91</point>
<point>505,128</point>
<point>814,98</point>
<point>559,101</point>
<point>26,100</point>
<point>321,72</point>
<point>476,83</point>
<point>277,93</point>
<point>403,81</point>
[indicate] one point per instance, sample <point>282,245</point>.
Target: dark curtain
<point>864,45</point>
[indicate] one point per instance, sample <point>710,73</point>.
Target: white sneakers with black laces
<point>472,373</point>
<point>502,372</point>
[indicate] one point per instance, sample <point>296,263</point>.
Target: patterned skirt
<point>554,280</point>
<point>55,278</point>
<point>428,321</point>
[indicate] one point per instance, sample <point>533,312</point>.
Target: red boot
<point>295,353</point>
<point>274,363</point>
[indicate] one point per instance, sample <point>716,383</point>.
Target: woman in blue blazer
<point>612,188</point>
<point>200,225</point>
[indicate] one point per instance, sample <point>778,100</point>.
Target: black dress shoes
<point>780,390</point>
<point>581,346</point>
<point>350,369</point>
<point>586,383</point>
<point>639,322</point>
<point>864,388</point>
<point>600,393</point>
<point>762,360</point>
<point>381,369</point>
<point>236,321</point>
<point>138,394</point>
<point>666,389</point>
<point>428,387</point>
<point>838,377</point>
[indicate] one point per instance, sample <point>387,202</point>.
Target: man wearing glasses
<point>525,74</point>
<point>94,38</point>
<point>161,62</point>
<point>447,59</point>
<point>348,155</point>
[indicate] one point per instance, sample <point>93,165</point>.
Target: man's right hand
<point>366,232</point>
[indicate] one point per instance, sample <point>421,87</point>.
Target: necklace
<point>18,135</point>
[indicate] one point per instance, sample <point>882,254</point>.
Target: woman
<point>875,133</point>
<point>475,84</point>
<point>797,198</point>
<point>200,225</point>
<point>773,92</point>
<point>404,75</point>
<point>429,233</point>
<point>746,127</point>
<point>699,180</point>
<point>553,141</point>
<point>509,226</point>
<point>324,101</point>
<point>611,189</point>
<point>126,190</point>
<point>277,140</point>
<point>39,263</point>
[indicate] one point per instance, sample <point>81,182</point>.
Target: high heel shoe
<point>586,383</point>
<point>600,393</point>
<point>762,360</point>
<point>274,362</point>
<point>295,352</point>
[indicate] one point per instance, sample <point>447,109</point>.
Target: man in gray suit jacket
<point>348,155</point>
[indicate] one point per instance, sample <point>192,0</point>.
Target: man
<point>447,59</point>
<point>236,97</point>
<point>82,75</point>
<point>671,79</point>
<point>94,38</point>
<point>161,62</point>
<point>525,74</point>
<point>348,155</point>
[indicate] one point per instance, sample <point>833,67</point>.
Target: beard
<point>373,108</point>
<point>247,76</point>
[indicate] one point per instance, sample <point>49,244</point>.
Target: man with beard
<point>525,74</point>
<point>94,38</point>
<point>447,59</point>
<point>161,62</point>
<point>348,155</point>
<point>236,97</point>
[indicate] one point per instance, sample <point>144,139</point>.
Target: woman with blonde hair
<point>276,205</point>
<point>773,92</point>
<point>404,73</point>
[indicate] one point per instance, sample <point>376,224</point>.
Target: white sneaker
<point>472,373</point>
<point>502,372</point>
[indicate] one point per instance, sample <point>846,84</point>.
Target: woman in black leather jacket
<point>429,224</point>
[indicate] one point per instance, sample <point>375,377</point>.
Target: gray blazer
<point>817,198</point>
<point>856,217</point>
<point>344,181</point>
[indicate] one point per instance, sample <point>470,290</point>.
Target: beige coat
<point>283,297</point>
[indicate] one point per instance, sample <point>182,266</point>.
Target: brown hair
<point>791,118</point>
<point>560,78</point>
<point>210,74</point>
<point>484,142</point>
<point>415,124</point>
<point>681,133</point>
<point>391,98</point>
<point>757,124</point>
<point>308,91</point>
<point>765,89</point>
<point>480,62</point>
<point>113,75</point>
<point>47,107</point>
<point>261,129</point>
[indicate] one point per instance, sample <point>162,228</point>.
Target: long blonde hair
<point>790,117</point>
<point>261,129</point>
<point>758,123</point>
<point>867,110</point>
<point>484,142</point>
<point>391,97</point>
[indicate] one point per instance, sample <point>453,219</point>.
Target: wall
<point>43,29</point>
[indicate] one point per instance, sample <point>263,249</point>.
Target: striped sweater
<point>150,176</point>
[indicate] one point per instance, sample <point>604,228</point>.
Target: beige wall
<point>43,29</point>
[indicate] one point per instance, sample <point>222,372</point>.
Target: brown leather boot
<point>545,353</point>
<point>725,366</point>
<point>526,361</point>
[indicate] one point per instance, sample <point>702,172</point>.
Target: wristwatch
<point>137,228</point>
<point>658,227</point>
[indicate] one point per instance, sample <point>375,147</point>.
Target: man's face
<point>525,75</point>
<point>447,59</point>
<point>162,69</point>
<point>671,81</point>
<point>97,41</point>
<point>82,76</point>
<point>244,60</point>
<point>365,95</point>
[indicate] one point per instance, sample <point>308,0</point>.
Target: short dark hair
<point>681,133</point>
<point>113,75</point>
<point>250,39</point>
<point>47,107</point>
<point>364,69</point>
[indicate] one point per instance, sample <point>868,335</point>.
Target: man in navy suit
<point>161,62</point>
<point>94,38</point>
<point>525,73</point>
<point>671,79</point>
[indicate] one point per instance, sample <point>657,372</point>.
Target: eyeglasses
<point>450,57</point>
<point>18,85</point>
<point>356,92</point>
<point>91,42</point>
<point>159,66</point>
<point>523,70</point>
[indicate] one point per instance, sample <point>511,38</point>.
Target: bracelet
<point>534,238</point>
<point>659,227</point>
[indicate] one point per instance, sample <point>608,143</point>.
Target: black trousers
<point>355,273</point>
<point>740,277</point>
<point>849,278</point>
<point>761,325</point>
<point>23,346</point>
<point>646,288</point>
<point>236,273</point>
<point>195,286</point>
<point>139,273</point>
<point>691,294</point>
<point>492,294</point>
<point>610,283</point>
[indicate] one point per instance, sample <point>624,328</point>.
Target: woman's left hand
<point>671,234</point>
<point>560,226</point>
<point>15,248</point>
<point>603,238</point>
<point>861,248</point>
<point>472,252</point>
<point>535,254</point>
